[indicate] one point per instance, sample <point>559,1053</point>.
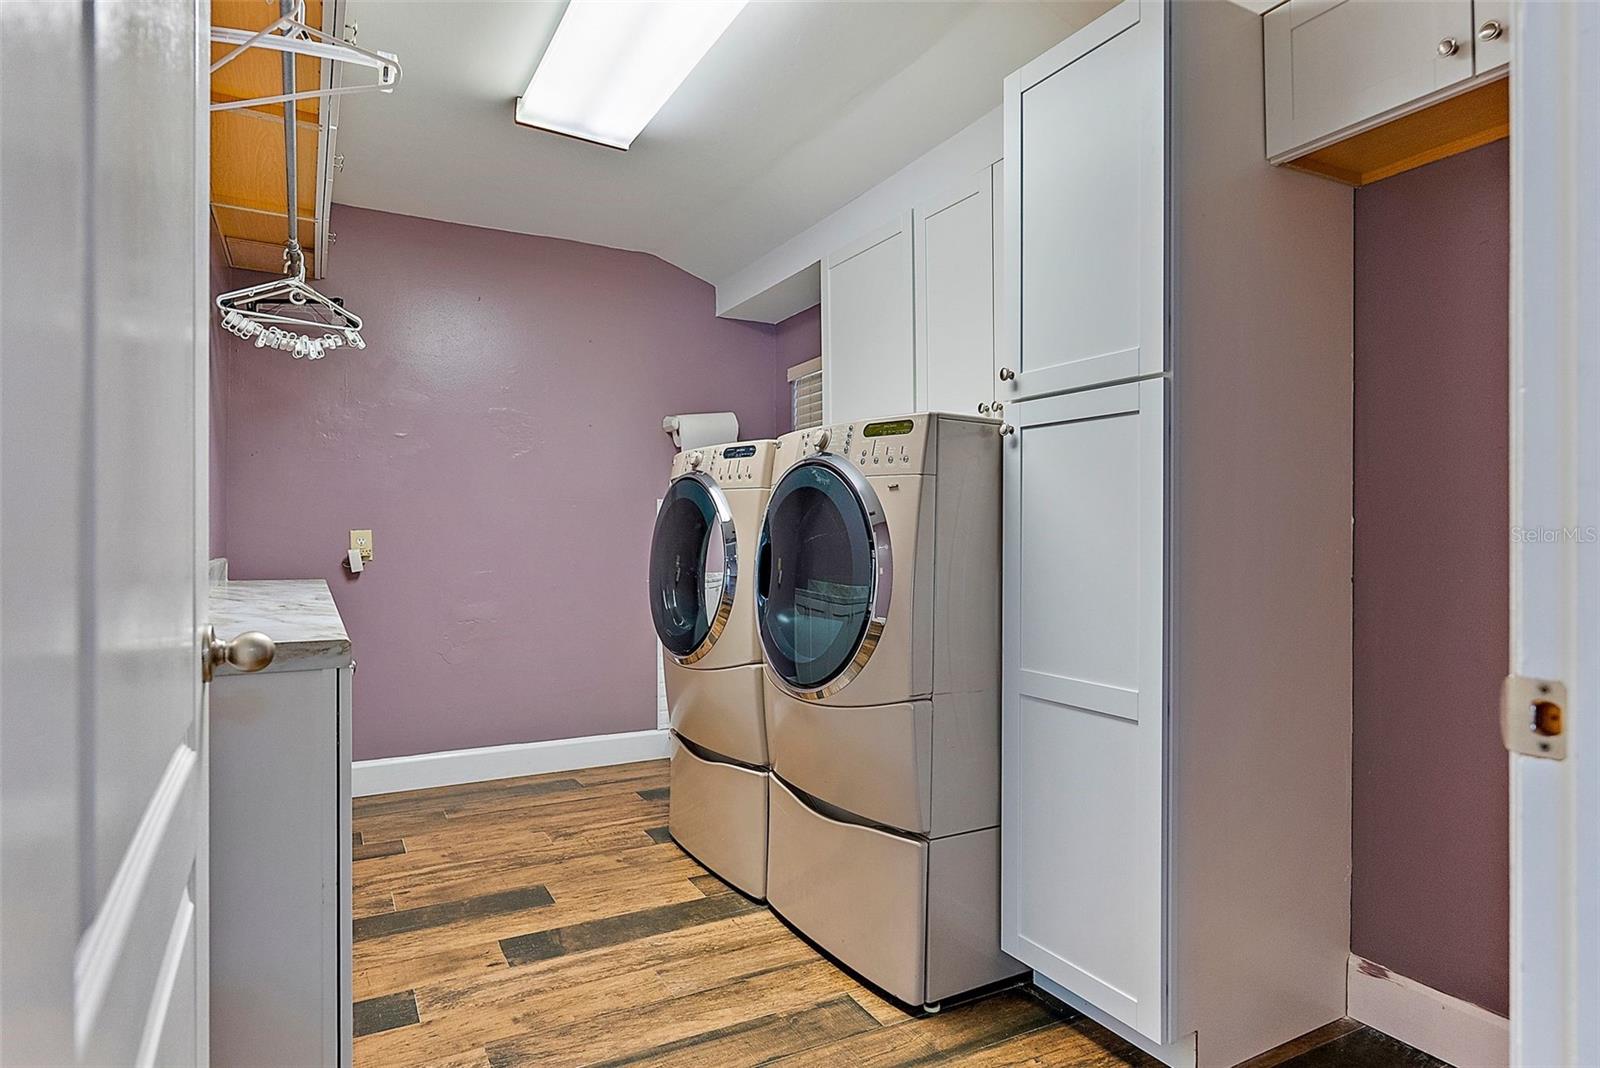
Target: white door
<point>102,784</point>
<point>868,327</point>
<point>1086,206</point>
<point>1332,64</point>
<point>954,242</point>
<point>1083,705</point>
<point>1555,520</point>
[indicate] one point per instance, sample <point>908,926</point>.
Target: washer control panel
<point>737,465</point>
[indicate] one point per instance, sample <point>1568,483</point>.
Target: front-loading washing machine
<point>702,600</point>
<point>878,607</point>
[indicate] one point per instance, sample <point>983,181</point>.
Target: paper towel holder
<point>674,425</point>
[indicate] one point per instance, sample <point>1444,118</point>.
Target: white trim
<point>1453,1030</point>
<point>809,367</point>
<point>1555,498</point>
<point>455,766</point>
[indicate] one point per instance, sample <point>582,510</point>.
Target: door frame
<point>1555,511</point>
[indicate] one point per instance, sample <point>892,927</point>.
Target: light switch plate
<point>362,539</point>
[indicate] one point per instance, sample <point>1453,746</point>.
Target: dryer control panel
<point>906,444</point>
<point>736,465</point>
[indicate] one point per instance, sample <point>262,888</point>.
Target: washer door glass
<point>815,596</point>
<point>691,587</point>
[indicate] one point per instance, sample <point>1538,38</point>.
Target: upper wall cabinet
<point>1358,90</point>
<point>908,311</point>
<point>869,327</point>
<point>955,275</point>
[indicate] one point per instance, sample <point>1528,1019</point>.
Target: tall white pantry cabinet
<point>1177,388</point>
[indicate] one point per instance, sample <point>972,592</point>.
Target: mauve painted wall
<point>220,340</point>
<point>501,435</point>
<point>799,339</point>
<point>1430,889</point>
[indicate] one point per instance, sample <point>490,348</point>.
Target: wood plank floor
<point>551,920</point>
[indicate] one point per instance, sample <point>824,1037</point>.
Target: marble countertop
<point>297,614</point>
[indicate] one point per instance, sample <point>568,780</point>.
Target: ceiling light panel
<point>612,64</point>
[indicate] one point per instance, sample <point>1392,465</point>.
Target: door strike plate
<point>1532,714</point>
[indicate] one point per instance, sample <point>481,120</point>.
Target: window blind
<point>805,395</point>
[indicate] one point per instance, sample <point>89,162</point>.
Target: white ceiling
<point>801,106</point>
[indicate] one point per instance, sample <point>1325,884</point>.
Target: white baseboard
<point>1453,1030</point>
<point>455,766</point>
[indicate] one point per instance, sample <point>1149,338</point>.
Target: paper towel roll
<point>701,428</point>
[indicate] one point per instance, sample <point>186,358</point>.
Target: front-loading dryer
<point>702,602</point>
<point>878,608</point>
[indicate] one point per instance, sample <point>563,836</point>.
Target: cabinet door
<point>1336,64</point>
<point>954,241</point>
<point>1085,206</point>
<point>1082,786</point>
<point>1492,35</point>
<point>868,328</point>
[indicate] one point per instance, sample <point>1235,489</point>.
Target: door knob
<point>250,651</point>
<point>1491,30</point>
<point>1007,374</point>
<point>1448,46</point>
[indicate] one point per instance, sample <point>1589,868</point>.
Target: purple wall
<point>799,339</point>
<point>501,435</point>
<point>219,345</point>
<point>1430,885</point>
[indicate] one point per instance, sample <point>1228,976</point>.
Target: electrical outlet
<point>362,539</point>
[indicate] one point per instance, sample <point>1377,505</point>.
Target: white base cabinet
<point>280,833</point>
<point>1176,710</point>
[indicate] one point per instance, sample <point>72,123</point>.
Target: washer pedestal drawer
<point>919,918</point>
<point>718,813</point>
<point>720,709</point>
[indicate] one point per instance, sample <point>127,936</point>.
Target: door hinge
<point>1532,715</point>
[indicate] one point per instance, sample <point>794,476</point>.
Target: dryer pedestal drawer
<point>720,709</point>
<point>918,918</point>
<point>718,813</point>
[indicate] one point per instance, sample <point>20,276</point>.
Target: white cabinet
<point>955,273</point>
<point>1176,670</point>
<point>1083,731</point>
<point>280,833</point>
<point>869,327</point>
<point>1335,67</point>
<point>908,311</point>
<point>1084,236</point>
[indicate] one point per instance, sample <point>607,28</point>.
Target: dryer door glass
<point>691,567</point>
<point>815,590</point>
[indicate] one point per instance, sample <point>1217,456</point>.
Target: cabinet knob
<point>1491,30</point>
<point>1007,374</point>
<point>1006,430</point>
<point>1448,46</point>
<point>983,408</point>
<point>250,651</point>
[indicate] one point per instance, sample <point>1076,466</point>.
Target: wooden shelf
<point>1451,126</point>
<point>248,193</point>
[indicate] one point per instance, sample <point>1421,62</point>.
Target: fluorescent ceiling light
<point>612,64</point>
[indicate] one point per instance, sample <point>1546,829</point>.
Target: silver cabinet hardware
<point>1448,46</point>
<point>1491,30</point>
<point>1007,374</point>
